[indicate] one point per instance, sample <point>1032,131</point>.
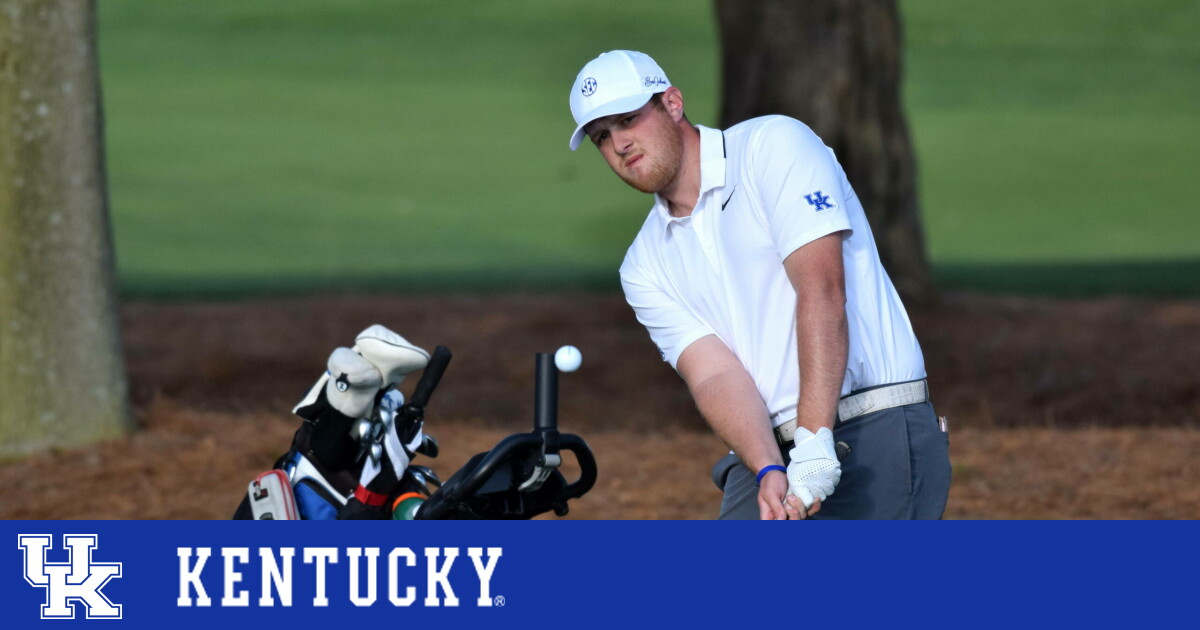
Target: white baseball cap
<point>616,82</point>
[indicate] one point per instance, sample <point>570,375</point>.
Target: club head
<point>417,476</point>
<point>361,429</point>
<point>428,475</point>
<point>429,446</point>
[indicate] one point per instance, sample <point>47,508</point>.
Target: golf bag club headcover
<point>392,354</point>
<point>353,383</point>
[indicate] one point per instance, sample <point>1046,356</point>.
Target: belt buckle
<point>779,437</point>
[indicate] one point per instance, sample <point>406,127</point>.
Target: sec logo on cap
<point>589,86</point>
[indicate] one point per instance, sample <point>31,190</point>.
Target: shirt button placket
<point>704,233</point>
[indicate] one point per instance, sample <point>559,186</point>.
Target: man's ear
<point>672,100</point>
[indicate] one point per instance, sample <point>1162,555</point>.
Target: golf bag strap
<point>373,499</point>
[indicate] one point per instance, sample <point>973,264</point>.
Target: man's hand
<point>775,504</point>
<point>814,470</point>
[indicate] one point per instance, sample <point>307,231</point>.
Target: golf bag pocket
<point>314,502</point>
<point>271,499</point>
<point>316,498</point>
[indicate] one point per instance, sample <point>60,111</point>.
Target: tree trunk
<point>62,377</point>
<point>835,65</point>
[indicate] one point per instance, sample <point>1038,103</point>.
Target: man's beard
<point>665,157</point>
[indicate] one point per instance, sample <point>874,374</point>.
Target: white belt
<point>878,399</point>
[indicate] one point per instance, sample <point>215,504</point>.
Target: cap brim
<point>619,106</point>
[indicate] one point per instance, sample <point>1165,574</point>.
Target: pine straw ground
<point>1058,409</point>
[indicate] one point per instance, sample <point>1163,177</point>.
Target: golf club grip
<point>431,376</point>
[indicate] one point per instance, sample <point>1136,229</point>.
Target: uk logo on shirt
<point>818,201</point>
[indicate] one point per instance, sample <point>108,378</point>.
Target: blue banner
<point>573,574</point>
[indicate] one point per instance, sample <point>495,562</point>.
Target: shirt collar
<point>712,159</point>
<point>712,174</point>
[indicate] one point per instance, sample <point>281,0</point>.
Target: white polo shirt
<point>767,187</point>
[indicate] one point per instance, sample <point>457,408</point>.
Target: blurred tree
<point>836,66</point>
<point>62,376</point>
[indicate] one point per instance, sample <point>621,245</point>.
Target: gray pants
<point>898,468</point>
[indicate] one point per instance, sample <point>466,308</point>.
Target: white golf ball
<point>568,359</point>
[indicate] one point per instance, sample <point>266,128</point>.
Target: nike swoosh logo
<point>728,198</point>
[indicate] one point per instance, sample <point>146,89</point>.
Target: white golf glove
<point>814,470</point>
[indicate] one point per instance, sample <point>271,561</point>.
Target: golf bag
<point>349,457</point>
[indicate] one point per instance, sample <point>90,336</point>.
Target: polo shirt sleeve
<point>800,184</point>
<point>671,326</point>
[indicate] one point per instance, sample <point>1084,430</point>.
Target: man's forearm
<point>817,274</point>
<point>823,343</point>
<point>732,406</point>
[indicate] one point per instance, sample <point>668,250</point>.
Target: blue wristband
<point>767,469</point>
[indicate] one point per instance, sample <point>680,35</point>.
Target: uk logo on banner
<point>77,581</point>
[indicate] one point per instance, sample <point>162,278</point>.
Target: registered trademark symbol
<point>498,600</point>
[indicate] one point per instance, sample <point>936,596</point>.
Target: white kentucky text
<point>356,567</point>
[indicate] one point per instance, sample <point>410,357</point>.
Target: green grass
<point>281,146</point>
<point>1056,132</point>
